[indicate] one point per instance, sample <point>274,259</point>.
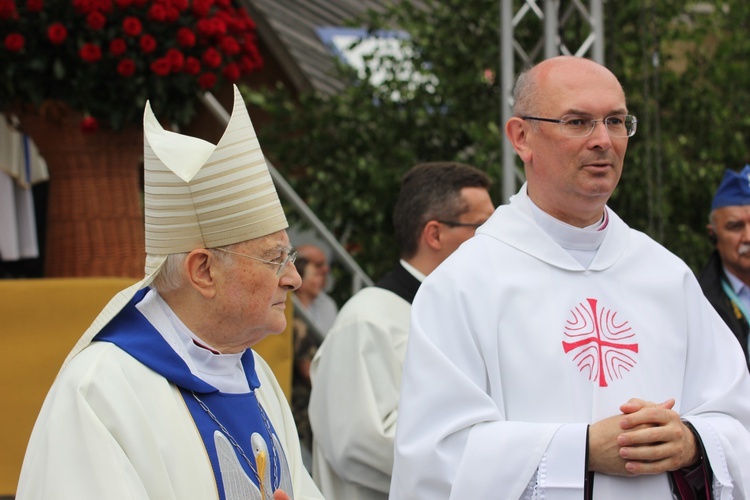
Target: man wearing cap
<point>726,278</point>
<point>162,397</point>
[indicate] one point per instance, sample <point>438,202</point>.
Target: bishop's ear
<point>200,271</point>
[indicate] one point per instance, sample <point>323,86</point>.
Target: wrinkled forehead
<point>731,213</point>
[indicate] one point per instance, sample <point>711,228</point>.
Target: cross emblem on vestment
<point>596,339</point>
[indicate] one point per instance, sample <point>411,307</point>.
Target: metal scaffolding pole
<point>507,76</point>
<point>552,38</point>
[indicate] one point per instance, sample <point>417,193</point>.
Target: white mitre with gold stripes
<point>197,195</point>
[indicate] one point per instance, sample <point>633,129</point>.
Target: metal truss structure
<point>554,16</point>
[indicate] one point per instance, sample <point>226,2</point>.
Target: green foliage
<point>685,75</point>
<point>692,108</point>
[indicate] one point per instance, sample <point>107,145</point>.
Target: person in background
<point>560,354</point>
<point>305,346</point>
<point>163,397</point>
<point>726,277</point>
<point>356,372</point>
<point>319,306</point>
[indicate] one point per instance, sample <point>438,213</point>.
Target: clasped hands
<point>647,438</point>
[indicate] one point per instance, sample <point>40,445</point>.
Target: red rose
<point>173,14</point>
<point>34,5</point>
<point>224,3</point>
<point>117,47</point>
<point>126,67</point>
<point>57,33</point>
<point>123,4</point>
<point>103,5</point>
<point>90,52</point>
<point>161,66</point>
<point>207,80</point>
<point>89,124</point>
<point>212,58</point>
<point>147,44</point>
<point>231,72</point>
<point>132,26</point>
<point>201,8</point>
<point>192,66</point>
<point>229,46</point>
<point>249,64</point>
<point>140,3</point>
<point>220,27</point>
<point>96,20</point>
<point>185,37</point>
<point>14,42</point>
<point>205,27</point>
<point>234,24</point>
<point>224,16</point>
<point>176,59</point>
<point>180,4</point>
<point>83,6</point>
<point>8,9</point>
<point>157,13</point>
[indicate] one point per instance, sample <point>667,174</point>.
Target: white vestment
<point>515,347</point>
<point>112,428</point>
<point>356,375</point>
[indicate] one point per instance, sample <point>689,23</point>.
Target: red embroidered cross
<point>598,342</point>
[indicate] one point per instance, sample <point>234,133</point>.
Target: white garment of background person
<point>20,168</point>
<point>356,376</point>
<point>500,382</point>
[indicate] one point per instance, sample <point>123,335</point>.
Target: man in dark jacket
<point>726,278</point>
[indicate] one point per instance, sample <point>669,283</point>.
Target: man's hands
<point>647,438</point>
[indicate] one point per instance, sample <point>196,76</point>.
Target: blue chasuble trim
<point>240,414</point>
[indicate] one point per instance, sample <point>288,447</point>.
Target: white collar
<point>223,371</point>
<point>412,270</point>
<point>580,243</point>
<point>571,237</point>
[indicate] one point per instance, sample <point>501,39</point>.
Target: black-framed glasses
<point>453,223</point>
<point>582,126</point>
<point>281,264</point>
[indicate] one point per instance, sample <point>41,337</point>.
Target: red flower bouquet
<point>105,58</point>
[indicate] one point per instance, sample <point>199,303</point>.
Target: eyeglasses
<point>582,126</point>
<point>289,259</point>
<point>453,223</point>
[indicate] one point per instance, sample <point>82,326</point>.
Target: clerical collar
<point>412,270</point>
<point>580,243</point>
<point>223,371</point>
